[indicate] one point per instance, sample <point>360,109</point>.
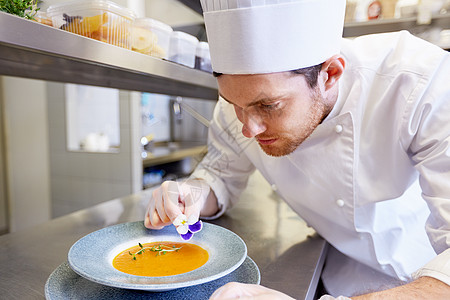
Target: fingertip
<point>147,222</point>
<point>148,225</point>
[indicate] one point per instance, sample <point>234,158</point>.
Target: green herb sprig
<point>159,249</point>
<point>22,8</point>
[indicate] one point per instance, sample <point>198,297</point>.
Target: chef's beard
<point>288,143</point>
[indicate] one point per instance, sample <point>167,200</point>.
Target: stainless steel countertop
<point>288,253</point>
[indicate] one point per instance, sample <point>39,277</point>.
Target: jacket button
<point>338,128</point>
<point>340,202</point>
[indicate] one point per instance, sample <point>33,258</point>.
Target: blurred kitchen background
<point>65,147</point>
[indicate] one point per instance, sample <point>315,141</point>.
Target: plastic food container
<point>182,48</point>
<point>151,37</point>
<point>41,17</point>
<point>203,57</point>
<point>97,19</point>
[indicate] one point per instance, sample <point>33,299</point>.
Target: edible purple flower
<point>186,227</point>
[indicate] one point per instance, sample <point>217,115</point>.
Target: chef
<point>354,134</point>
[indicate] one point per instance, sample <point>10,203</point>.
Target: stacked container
<point>182,48</point>
<point>97,19</point>
<point>151,37</point>
<point>203,57</point>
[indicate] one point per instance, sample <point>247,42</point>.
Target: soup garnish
<point>160,259</point>
<point>159,249</point>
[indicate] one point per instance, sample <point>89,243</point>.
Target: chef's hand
<point>244,291</point>
<point>190,197</point>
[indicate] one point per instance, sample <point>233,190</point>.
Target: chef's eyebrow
<point>256,102</point>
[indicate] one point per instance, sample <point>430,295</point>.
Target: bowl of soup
<point>131,256</point>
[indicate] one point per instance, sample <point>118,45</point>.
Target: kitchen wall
<point>171,12</point>
<point>25,144</point>
<point>80,179</point>
<point>39,178</point>
<point>92,118</point>
<point>4,208</point>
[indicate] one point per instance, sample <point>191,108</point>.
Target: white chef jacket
<point>370,174</point>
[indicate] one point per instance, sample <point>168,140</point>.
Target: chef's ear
<point>332,70</point>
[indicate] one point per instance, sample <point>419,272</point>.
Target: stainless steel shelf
<point>32,50</point>
<point>353,29</point>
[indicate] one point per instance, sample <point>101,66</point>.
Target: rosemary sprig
<point>159,249</point>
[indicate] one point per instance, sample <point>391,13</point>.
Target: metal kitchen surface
<point>32,50</point>
<point>289,254</point>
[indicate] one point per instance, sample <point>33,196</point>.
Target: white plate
<point>91,256</point>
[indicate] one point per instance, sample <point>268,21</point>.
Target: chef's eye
<point>269,106</point>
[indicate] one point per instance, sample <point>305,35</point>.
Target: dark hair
<point>311,74</point>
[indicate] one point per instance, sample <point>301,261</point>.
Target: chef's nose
<point>252,125</point>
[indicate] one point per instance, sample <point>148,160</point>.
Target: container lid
<point>184,36</point>
<point>109,6</point>
<point>152,23</point>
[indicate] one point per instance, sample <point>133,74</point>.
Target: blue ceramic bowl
<point>91,257</point>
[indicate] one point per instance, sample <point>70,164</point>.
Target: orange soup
<point>160,259</point>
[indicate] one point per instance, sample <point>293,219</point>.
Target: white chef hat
<point>265,36</point>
